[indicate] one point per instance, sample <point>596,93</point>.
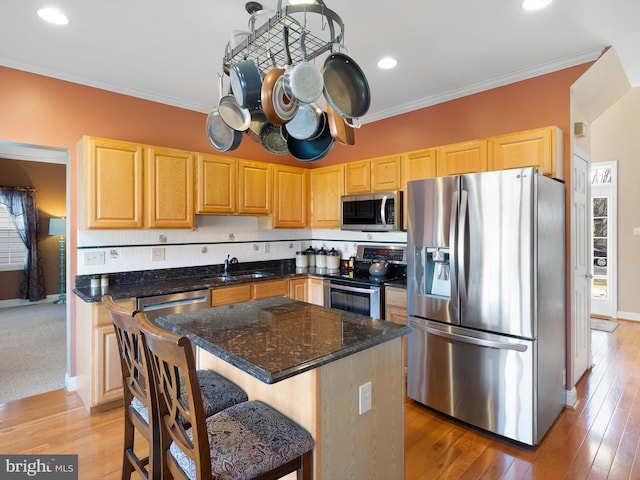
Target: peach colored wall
<point>43,111</point>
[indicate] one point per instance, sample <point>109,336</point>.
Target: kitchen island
<point>309,362</point>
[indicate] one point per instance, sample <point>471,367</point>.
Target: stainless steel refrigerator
<point>486,299</point>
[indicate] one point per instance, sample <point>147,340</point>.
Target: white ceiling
<point>171,52</point>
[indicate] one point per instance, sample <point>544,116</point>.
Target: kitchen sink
<point>237,276</point>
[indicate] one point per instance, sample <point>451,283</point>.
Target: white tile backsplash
<point>211,241</point>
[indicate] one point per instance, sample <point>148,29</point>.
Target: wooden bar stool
<point>247,441</point>
<point>140,402</point>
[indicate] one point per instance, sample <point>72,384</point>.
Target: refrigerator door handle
<point>453,272</point>
<point>383,208</point>
<point>472,340</point>
<point>462,247</point>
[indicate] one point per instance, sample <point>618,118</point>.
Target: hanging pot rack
<point>265,46</point>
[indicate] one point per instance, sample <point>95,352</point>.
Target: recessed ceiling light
<point>535,4</point>
<point>387,62</point>
<point>52,15</point>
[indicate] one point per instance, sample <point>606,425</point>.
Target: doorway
<point>604,189</point>
<point>37,153</point>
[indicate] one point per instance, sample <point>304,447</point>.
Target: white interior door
<point>580,268</point>
<point>604,238</point>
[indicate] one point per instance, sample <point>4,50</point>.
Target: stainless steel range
<point>359,291</point>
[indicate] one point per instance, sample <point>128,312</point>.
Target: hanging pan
<point>345,86</point>
<point>237,117</point>
<point>222,136</point>
<point>340,130</point>
<point>311,150</point>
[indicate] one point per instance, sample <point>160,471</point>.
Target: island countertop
<point>277,338</point>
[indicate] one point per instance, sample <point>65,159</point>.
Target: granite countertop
<point>277,338</point>
<point>164,282</point>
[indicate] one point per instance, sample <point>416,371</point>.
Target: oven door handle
<point>353,289</point>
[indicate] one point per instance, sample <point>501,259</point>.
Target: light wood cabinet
<point>464,157</point>
<point>170,186</point>
<point>217,178</point>
<point>380,174</point>
<point>327,186</point>
<point>254,187</point>
<point>131,186</point>
<point>357,177</point>
<point>386,173</point>
<point>290,197</point>
<point>113,183</point>
<point>298,289</point>
<point>542,148</point>
<point>417,165</point>
<point>249,291</point>
<point>99,374</point>
<point>315,291</point>
<point>395,310</point>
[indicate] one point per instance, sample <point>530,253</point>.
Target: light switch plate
<point>93,257</point>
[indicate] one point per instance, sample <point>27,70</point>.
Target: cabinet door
<point>231,294</point>
<point>272,288</point>
<point>216,184</point>
<point>298,289</point>
<point>169,174</point>
<point>327,186</point>
<point>395,310</point>
<point>464,157</point>
<point>386,173</point>
<point>290,194</point>
<point>316,291</point>
<point>108,370</point>
<point>113,183</point>
<point>541,148</point>
<point>357,177</point>
<point>254,184</point>
<point>420,164</point>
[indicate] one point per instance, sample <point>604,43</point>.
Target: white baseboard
<point>19,302</point>
<point>571,398</point>
<point>70,383</point>
<point>628,316</point>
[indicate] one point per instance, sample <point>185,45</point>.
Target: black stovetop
<point>360,274</point>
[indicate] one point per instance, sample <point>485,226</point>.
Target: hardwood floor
<point>598,440</point>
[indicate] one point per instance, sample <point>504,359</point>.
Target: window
<point>12,250</point>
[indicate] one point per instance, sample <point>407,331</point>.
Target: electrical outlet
<point>267,248</point>
<point>364,398</point>
<point>157,254</point>
<point>93,258</point>
<point>636,230</point>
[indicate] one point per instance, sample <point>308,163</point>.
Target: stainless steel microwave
<point>372,212</point>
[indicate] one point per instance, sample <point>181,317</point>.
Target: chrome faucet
<point>229,261</point>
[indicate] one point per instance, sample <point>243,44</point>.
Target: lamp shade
<point>58,226</point>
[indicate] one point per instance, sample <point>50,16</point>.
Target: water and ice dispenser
<point>437,272</point>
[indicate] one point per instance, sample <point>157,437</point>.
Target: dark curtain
<point>21,204</point>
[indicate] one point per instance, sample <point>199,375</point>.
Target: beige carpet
<point>32,350</point>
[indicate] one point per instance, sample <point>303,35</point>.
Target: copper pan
<point>340,130</point>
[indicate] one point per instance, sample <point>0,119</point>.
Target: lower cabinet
<point>99,374</point>
<point>315,291</point>
<point>249,291</point>
<point>298,289</point>
<point>395,310</point>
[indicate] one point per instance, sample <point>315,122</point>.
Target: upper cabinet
<point>290,197</point>
<point>169,188</point>
<point>464,157</point>
<point>131,186</point>
<point>386,173</point>
<point>327,186</point>
<point>375,175</point>
<point>217,179</point>
<point>542,148</point>
<point>254,187</point>
<point>357,177</point>
<point>113,183</point>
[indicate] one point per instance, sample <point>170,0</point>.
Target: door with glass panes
<point>603,266</point>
